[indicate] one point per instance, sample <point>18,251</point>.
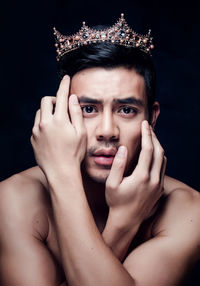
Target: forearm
<point>118,236</point>
<point>87,260</point>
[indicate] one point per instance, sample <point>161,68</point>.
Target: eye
<point>88,109</point>
<point>127,111</point>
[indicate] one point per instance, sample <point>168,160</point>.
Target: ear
<point>155,111</point>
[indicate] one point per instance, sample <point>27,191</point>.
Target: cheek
<point>130,134</point>
<point>132,140</point>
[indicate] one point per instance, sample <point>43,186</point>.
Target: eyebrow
<point>128,100</point>
<point>85,99</point>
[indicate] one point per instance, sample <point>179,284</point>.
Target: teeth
<point>106,155</point>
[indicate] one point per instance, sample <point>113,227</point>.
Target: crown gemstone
<point>122,34</point>
<point>85,36</point>
<point>103,35</point>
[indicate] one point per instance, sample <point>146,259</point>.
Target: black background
<point>28,67</point>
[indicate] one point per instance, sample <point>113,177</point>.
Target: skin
<point>73,219</point>
<point>107,119</point>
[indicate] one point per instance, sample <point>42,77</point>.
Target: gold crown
<point>120,34</point>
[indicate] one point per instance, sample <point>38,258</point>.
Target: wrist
<point>67,175</point>
<point>118,235</point>
<point>123,223</point>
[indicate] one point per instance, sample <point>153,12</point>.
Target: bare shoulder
<point>26,257</point>
<point>180,195</point>
<point>179,214</point>
<point>23,199</point>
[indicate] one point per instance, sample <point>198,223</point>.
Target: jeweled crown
<point>120,34</point>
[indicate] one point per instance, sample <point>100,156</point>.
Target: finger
<point>117,170</point>
<point>146,153</point>
<point>62,98</point>
<point>158,157</point>
<point>46,107</point>
<point>75,113</point>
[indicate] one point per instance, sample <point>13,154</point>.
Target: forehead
<point>108,84</point>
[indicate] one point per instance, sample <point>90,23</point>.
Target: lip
<point>104,157</point>
<point>105,152</point>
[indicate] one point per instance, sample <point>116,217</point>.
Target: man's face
<point>114,104</point>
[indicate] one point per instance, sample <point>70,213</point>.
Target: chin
<point>100,176</point>
<point>97,176</point>
<point>100,180</point>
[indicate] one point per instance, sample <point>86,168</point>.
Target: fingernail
<point>74,99</point>
<point>121,151</point>
<point>65,77</point>
<point>146,124</point>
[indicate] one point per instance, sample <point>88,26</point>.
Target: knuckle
<point>148,148</point>
<point>161,151</point>
<point>34,131</point>
<point>43,125</point>
<point>110,186</point>
<point>145,177</point>
<point>155,183</point>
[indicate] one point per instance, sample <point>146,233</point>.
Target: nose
<point>107,129</point>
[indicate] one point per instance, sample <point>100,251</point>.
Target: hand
<point>58,142</point>
<point>133,199</point>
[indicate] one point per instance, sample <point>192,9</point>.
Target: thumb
<point>117,170</point>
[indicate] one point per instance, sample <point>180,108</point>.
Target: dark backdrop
<point>29,72</point>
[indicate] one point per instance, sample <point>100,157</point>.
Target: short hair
<point>108,55</point>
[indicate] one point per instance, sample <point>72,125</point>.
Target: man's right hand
<point>133,199</point>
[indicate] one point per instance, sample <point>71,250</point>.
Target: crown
<point>120,33</point>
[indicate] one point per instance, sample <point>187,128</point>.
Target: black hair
<point>109,55</point>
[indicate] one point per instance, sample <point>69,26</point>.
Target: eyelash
<point>133,110</point>
<point>85,106</point>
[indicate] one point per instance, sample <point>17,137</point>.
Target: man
<point>98,209</point>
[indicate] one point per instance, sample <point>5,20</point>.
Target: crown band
<point>120,34</point>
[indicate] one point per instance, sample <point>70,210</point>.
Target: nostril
<point>114,138</point>
<point>110,139</point>
<point>100,137</point>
